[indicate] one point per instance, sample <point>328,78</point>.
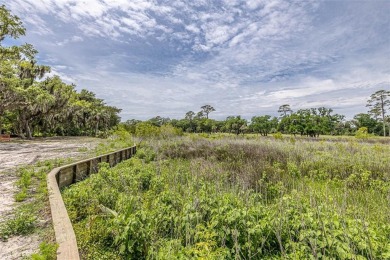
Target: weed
<point>47,251</point>
<point>22,223</point>
<point>21,195</point>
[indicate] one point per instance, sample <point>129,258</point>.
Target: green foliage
<point>146,154</point>
<point>263,124</point>
<point>47,251</point>
<point>235,124</point>
<point>362,133</point>
<point>50,106</point>
<point>117,139</point>
<point>10,25</point>
<point>149,130</point>
<point>232,199</point>
<point>21,195</point>
<point>379,104</point>
<point>278,136</point>
<point>168,131</point>
<point>24,181</point>
<point>22,223</point>
<point>146,129</point>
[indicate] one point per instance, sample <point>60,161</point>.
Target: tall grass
<point>237,199</point>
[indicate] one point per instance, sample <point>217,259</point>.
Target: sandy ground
<point>18,153</point>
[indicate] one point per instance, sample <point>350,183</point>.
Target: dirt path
<point>19,153</point>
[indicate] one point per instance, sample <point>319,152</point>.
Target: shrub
<point>168,131</point>
<point>146,129</point>
<point>278,136</point>
<point>362,133</point>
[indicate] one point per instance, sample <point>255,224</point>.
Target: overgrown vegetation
<point>237,198</point>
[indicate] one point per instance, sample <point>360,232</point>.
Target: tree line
<point>32,104</point>
<point>305,122</point>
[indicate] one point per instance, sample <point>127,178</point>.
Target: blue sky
<point>154,57</point>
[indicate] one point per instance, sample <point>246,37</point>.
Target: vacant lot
<point>19,153</point>
<point>13,154</point>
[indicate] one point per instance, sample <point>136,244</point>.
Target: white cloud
<point>242,56</point>
<point>73,39</point>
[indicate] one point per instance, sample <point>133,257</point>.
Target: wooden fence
<point>64,176</point>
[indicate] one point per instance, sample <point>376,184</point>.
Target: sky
<point>166,57</point>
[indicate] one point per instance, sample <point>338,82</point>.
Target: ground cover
<point>241,198</point>
<point>25,221</point>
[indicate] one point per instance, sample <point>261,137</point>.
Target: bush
<point>278,136</point>
<point>146,129</point>
<point>362,133</point>
<point>168,131</point>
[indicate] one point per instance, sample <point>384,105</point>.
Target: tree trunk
<point>28,130</point>
<point>383,116</point>
<point>97,127</point>
<point>21,130</point>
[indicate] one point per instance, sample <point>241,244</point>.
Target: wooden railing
<point>64,176</point>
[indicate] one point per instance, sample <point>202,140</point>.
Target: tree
<point>190,115</point>
<point>33,100</point>
<point>379,103</point>
<point>207,109</point>
<point>159,121</point>
<point>263,124</point>
<point>31,105</point>
<point>235,124</point>
<point>130,125</point>
<point>199,115</point>
<point>10,26</point>
<point>365,120</point>
<point>311,122</point>
<point>387,119</point>
<point>283,109</point>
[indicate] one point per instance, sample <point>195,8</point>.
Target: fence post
<point>74,178</point>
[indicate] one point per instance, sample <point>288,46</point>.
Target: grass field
<point>238,198</point>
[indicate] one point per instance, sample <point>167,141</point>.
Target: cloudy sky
<point>166,57</point>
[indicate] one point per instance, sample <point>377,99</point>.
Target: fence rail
<point>64,176</point>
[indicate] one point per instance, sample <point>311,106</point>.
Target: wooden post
<point>58,177</point>
<point>90,165</point>
<point>75,168</point>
